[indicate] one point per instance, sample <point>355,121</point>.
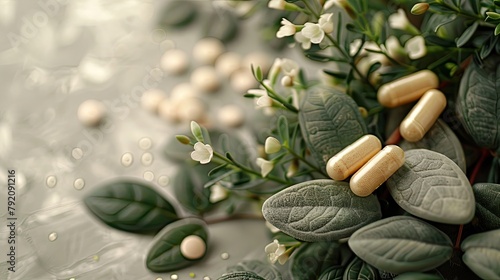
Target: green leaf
<point>358,269</point>
<point>482,254</point>
<point>478,102</point>
<point>493,15</point>
<point>240,275</point>
<point>417,276</point>
<point>488,47</point>
<point>431,186</point>
<point>338,75</point>
<point>188,184</point>
<point>320,210</point>
<point>401,244</point>
<point>196,131</point>
<point>283,130</point>
<point>440,138</point>
<point>373,68</point>
<point>164,253</point>
<point>219,178</point>
<point>467,35</point>
<point>264,270</point>
<point>222,25</point>
<point>183,139</point>
<point>329,121</point>
<point>333,273</point>
<point>131,206</point>
<point>312,259</point>
<point>487,204</point>
<point>497,29</point>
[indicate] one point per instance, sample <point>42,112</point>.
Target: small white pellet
<point>207,50</point>
<point>243,80</point>
<point>227,64</point>
<point>174,61</point>
<point>231,116</point>
<point>183,90</point>
<point>205,79</point>
<point>193,247</point>
<point>91,112</point>
<point>151,99</point>
<point>168,111</point>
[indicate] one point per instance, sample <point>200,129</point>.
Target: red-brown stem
<point>472,179</point>
<point>394,138</point>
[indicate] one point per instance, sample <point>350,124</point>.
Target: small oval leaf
<point>333,273</point>
<point>477,102</point>
<point>262,269</point>
<point>313,259</point>
<point>320,210</point>
<point>358,269</point>
<point>487,204</point>
<point>467,35</point>
<point>431,186</point>
<point>165,254</point>
<point>241,275</point>
<point>401,244</point>
<point>482,254</point>
<point>329,121</point>
<point>440,138</point>
<point>131,206</point>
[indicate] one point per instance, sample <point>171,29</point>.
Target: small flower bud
<point>420,8</point>
<point>183,139</point>
<point>272,145</point>
<point>287,81</point>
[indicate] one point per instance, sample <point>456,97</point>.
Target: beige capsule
<point>423,115</point>
<point>352,157</point>
<point>377,170</point>
<point>407,89</point>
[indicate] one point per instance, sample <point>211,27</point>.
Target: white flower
<point>266,166</point>
<point>272,145</point>
<point>398,20</point>
<point>275,70</point>
<point>277,4</point>
<point>300,38</point>
<point>276,252</point>
<point>272,228</point>
<point>264,101</point>
<point>415,47</point>
<point>217,193</point>
<point>394,48</point>
<point>287,29</point>
<point>313,32</point>
<point>287,81</point>
<point>326,22</point>
<point>289,67</point>
<point>202,153</point>
<point>354,47</point>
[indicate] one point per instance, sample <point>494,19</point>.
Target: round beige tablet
<point>191,109</point>
<point>207,50</point>
<point>193,247</point>
<point>168,111</point>
<point>205,79</point>
<point>151,99</point>
<point>174,61</point>
<point>227,64</point>
<point>91,112</point>
<point>231,116</point>
<point>243,80</point>
<point>183,90</point>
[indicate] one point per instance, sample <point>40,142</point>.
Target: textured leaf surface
<point>482,254</point>
<point>320,210</point>
<point>189,189</point>
<point>264,270</point>
<point>164,253</point>
<point>431,186</point>
<point>488,204</point>
<point>241,275</point>
<point>313,259</point>
<point>401,244</point>
<point>478,102</point>
<point>329,121</point>
<point>417,276</point>
<point>358,269</point>
<point>440,138</point>
<point>131,206</point>
<point>333,273</point>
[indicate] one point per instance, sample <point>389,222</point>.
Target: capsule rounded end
<point>359,186</point>
<point>337,169</point>
<point>411,130</point>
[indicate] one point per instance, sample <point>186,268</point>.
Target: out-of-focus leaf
<point>488,204</point>
<point>264,270</point>
<point>312,259</point>
<point>189,187</point>
<point>482,254</point>
<point>358,269</point>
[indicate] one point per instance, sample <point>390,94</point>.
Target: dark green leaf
<point>468,33</point>
<point>477,102</point>
<point>488,204</point>
<point>374,68</point>
<point>318,57</point>
<point>488,47</point>
<point>241,275</point>
<point>131,206</point>
<point>165,254</point>
<point>264,270</point>
<point>401,244</point>
<point>358,269</point>
<point>320,210</point>
<point>417,276</point>
<point>431,186</point>
<point>283,130</point>
<point>329,120</point>
<point>219,178</point>
<point>497,29</point>
<point>333,273</point>
<point>440,138</point>
<point>189,189</point>
<point>312,259</point>
<point>482,254</point>
<point>338,75</point>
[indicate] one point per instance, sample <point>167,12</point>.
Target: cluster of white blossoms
<point>309,32</point>
<point>276,252</point>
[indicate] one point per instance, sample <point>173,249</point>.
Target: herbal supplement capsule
<point>193,247</point>
<point>423,115</point>
<point>377,170</point>
<point>407,89</point>
<point>352,157</point>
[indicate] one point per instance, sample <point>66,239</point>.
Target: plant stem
<point>292,152</point>
<point>278,98</point>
